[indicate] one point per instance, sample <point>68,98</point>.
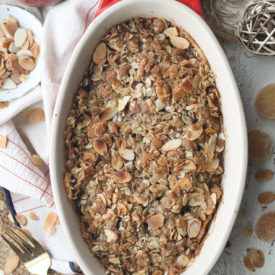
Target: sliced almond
<point>13,48</point>
<point>21,219</point>
<point>184,184</point>
<point>25,46</point>
<point>26,62</point>
<point>15,77</point>
<point>256,257</point>
<point>8,84</point>
<point>99,56</point>
<point>265,102</point>
<point>122,177</point>
<point>179,42</point>
<point>248,264</point>
<point>114,260</point>
<point>194,132</point>
<point>9,29</point>
<point>117,162</point>
<point>100,146</point>
<point>266,197</point>
<point>35,115</point>
<point>36,160</point>
<point>212,165</point>
<point>97,130</point>
<point>35,50</point>
<point>171,32</point>
<point>3,141</point>
<point>265,227</point>
<point>122,103</point>
<point>107,113</point>
<point>20,37</point>
<point>155,221</point>
<point>33,216</point>
<point>172,144</point>
<point>50,222</point>
<point>182,260</point>
<point>7,43</point>
<point>4,104</point>
<point>29,37</point>
<point>23,52</point>
<point>111,236</point>
<point>194,228</point>
<point>264,175</point>
<point>186,166</point>
<point>127,154</point>
<point>259,145</point>
<point>11,263</point>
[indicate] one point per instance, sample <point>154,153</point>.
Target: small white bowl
<point>26,20</point>
<point>235,156</point>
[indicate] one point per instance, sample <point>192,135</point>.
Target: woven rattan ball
<point>257,28</point>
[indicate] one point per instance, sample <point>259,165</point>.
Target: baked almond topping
<point>144,149</point>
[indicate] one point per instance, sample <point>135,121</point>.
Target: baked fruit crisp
<point>144,149</point>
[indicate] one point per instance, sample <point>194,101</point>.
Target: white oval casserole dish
<point>235,157</point>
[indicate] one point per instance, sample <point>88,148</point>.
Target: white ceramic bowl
<point>236,137</point>
<point>26,20</point>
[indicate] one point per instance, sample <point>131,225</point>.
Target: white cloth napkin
<point>29,186</point>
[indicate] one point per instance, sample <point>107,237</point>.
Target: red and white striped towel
<point>29,185</point>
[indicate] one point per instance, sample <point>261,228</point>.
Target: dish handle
<point>195,5</point>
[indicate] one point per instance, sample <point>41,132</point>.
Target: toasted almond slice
<point>4,104</point>
<point>111,236</point>
<point>172,144</point>
<point>7,43</point>
<point>264,175</point>
<point>50,222</point>
<point>266,197</point>
<point>127,154</point>
<point>33,216</point>
<point>114,260</point>
<point>21,219</point>
<point>100,146</point>
<point>35,115</point>
<point>212,165</point>
<point>117,162</point>
<point>9,29</point>
<point>11,263</point>
<point>182,260</point>
<point>265,102</point>
<point>179,42</point>
<point>122,177</point>
<point>26,62</point>
<point>15,77</point>
<point>3,142</point>
<point>13,48</point>
<point>259,145</point>
<point>36,160</point>
<point>25,46</point>
<point>184,184</point>
<point>100,54</point>
<point>8,84</point>
<point>35,50</point>
<point>194,132</point>
<point>256,257</point>
<point>20,37</point>
<point>10,217</point>
<point>248,264</point>
<point>155,221</point>
<point>171,32</point>
<point>194,228</point>
<point>12,19</point>
<point>265,227</point>
<point>123,102</point>
<point>29,37</point>
<point>107,113</point>
<point>24,51</point>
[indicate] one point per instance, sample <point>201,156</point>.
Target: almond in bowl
<point>144,149</point>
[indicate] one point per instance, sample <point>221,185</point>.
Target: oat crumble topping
<point>144,149</point>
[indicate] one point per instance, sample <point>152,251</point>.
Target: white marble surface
<point>251,73</point>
